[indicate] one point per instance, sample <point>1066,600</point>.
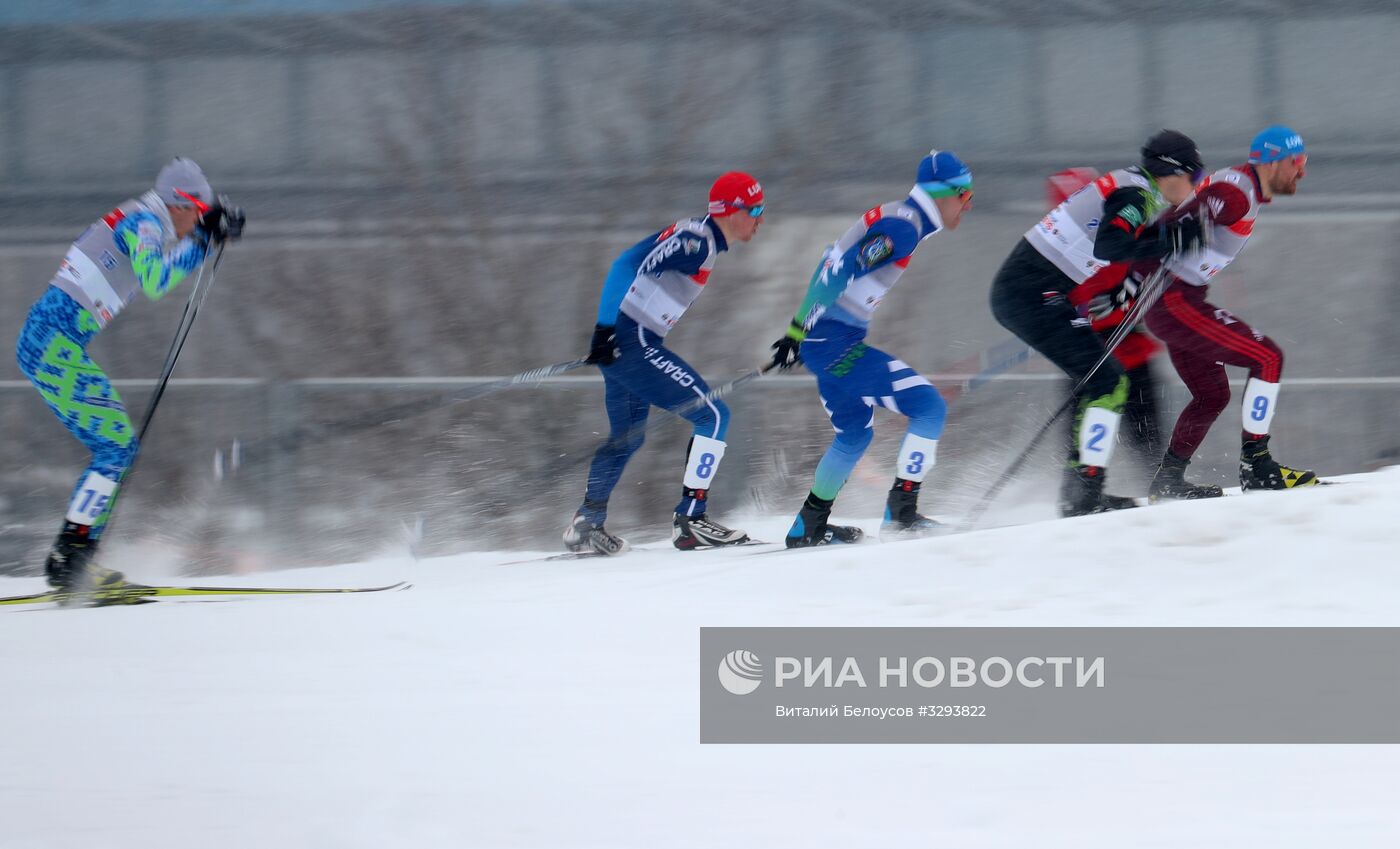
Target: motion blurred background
<point>436,190</point>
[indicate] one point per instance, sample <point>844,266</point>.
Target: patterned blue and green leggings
<point>52,353</point>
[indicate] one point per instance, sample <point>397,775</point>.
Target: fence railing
<point>508,469</point>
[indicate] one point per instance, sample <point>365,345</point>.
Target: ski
<point>33,598</point>
<point>176,592</point>
<point>1237,492</point>
<point>590,555</point>
<point>865,543</point>
<point>143,594</point>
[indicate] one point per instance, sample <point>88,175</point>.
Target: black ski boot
<point>582,535</point>
<point>69,556</point>
<point>691,532</point>
<point>811,528</point>
<point>1259,470</point>
<point>902,519</point>
<point>1082,493</point>
<point>69,570</point>
<point>1170,482</point>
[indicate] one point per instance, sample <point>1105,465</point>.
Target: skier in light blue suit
<point>146,245</point>
<point>828,334</point>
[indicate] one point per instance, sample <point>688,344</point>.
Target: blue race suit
<point>853,378</point>
<point>647,291</point>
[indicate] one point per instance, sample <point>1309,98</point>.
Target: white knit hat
<point>181,177</point>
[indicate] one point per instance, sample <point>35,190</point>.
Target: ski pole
<point>648,427</point>
<point>198,293</point>
<point>231,458</point>
<point>714,394</point>
<point>177,344</point>
<point>1148,294</point>
<point>725,389</point>
<point>998,358</point>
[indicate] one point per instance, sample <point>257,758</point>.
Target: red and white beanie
<point>733,192</point>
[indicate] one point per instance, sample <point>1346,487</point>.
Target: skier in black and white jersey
<point>1119,217</point>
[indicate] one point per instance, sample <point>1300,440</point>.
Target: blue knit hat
<point>1275,143</point>
<point>943,174</point>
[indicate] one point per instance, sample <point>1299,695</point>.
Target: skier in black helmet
<point>1115,220</point>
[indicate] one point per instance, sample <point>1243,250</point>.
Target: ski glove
<point>223,221</point>
<point>1118,299</point>
<point>786,352</point>
<point>1187,234</point>
<point>603,351</point>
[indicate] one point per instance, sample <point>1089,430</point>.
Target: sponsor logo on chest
<point>666,250</point>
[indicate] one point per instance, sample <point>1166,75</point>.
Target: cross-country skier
<point>1117,218</point>
<point>649,288</point>
<point>828,334</point>
<point>1141,428</point>
<point>147,244</point>
<point>1202,338</point>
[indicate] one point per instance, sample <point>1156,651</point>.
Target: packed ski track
<point>555,703</point>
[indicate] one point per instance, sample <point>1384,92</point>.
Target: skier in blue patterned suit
<point>647,291</point>
<point>828,334</point>
<point>149,245</point>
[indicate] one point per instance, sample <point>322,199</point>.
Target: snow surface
<point>554,704</point>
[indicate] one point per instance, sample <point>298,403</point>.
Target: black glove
<point>603,350</point>
<point>1119,299</point>
<point>1187,234</point>
<point>785,350</point>
<point>223,221</point>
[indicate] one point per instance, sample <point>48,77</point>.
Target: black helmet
<point>1170,152</point>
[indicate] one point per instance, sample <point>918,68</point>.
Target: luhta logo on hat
<point>735,191</point>
<point>1275,143</point>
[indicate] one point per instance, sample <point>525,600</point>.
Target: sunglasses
<point>194,201</point>
<point>753,211</point>
<point>937,190</point>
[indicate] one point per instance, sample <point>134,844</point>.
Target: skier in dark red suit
<point>1202,338</point>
